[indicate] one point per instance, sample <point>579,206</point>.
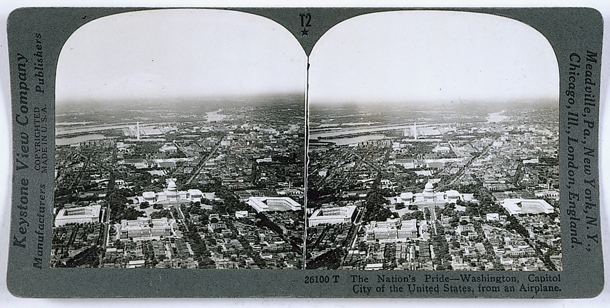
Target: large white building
<point>331,215</point>
<point>527,206</point>
<point>391,230</point>
<point>430,196</point>
<point>171,194</point>
<point>84,214</point>
<point>270,204</point>
<point>551,194</point>
<point>146,228</point>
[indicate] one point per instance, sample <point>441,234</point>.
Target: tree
<point>455,244</point>
<point>375,210</point>
<point>160,214</point>
<point>419,215</point>
<point>514,224</point>
<point>130,214</point>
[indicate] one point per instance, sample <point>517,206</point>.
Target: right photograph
<point>433,145</point>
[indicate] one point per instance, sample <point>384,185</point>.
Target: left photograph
<point>180,143</point>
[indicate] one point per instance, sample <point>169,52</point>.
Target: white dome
<point>171,186</point>
<point>429,187</point>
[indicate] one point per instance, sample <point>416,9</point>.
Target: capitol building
<point>172,194</point>
<point>432,197</point>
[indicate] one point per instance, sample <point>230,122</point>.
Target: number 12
<point>304,18</point>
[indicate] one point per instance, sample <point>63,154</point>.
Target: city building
<point>408,229</point>
<point>145,228</point>
<point>492,217</point>
<point>171,194</point>
<point>271,204</point>
<point>332,215</point>
<point>430,196</point>
<point>391,230</point>
<point>84,214</point>
<point>168,149</point>
<point>527,206</point>
<point>551,194</point>
<point>241,214</point>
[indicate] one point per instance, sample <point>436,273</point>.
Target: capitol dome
<point>429,187</point>
<point>171,186</point>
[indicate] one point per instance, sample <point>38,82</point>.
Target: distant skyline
<point>428,57</point>
<point>179,53</point>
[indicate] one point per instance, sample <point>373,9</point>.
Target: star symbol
<point>304,32</point>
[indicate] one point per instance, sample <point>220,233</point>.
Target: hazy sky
<point>179,53</point>
<point>432,56</point>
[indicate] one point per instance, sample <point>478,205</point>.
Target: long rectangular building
<point>273,204</point>
<point>527,206</point>
<point>333,215</point>
<point>84,214</point>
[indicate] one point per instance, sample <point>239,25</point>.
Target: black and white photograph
<point>179,143</point>
<point>438,151</point>
<point>318,154</point>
